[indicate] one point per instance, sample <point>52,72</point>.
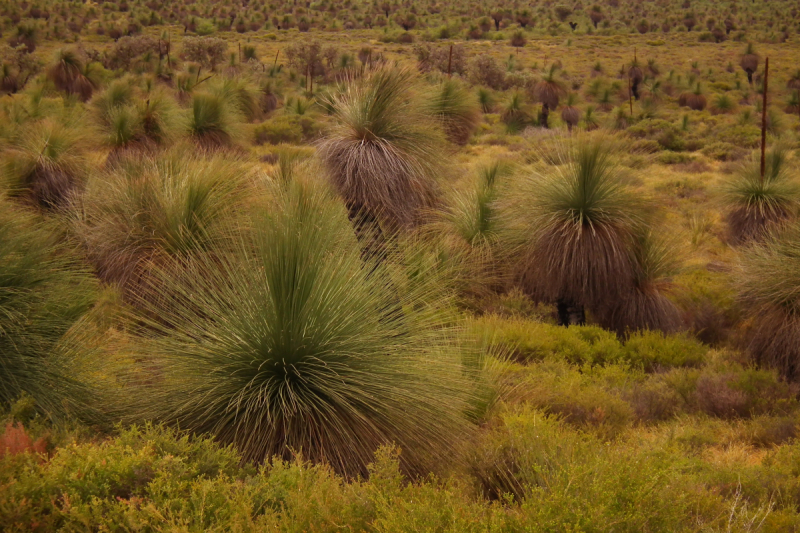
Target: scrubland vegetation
<point>400,266</point>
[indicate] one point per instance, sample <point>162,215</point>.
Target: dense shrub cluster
<point>300,267</point>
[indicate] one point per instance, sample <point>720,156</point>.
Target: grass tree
<point>68,75</point>
<point>45,165</point>
<point>768,278</point>
<point>295,345</point>
<point>570,114</point>
<point>758,204</point>
<point>636,76</point>
<point>647,306</point>
<point>214,119</point>
<point>457,109</point>
<point>694,100</point>
<point>470,227</point>
<point>549,90</point>
<point>132,123</point>
<point>580,227</point>
<point>243,97</point>
<point>44,293</point>
<point>384,148</point>
<point>156,209</point>
<point>749,62</point>
<point>516,114</point>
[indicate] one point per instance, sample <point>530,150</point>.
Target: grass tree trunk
<point>570,313</point>
<point>544,116</point>
<point>368,231</point>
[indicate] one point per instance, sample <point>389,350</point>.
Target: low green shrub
<point>654,351</point>
<point>281,129</point>
<point>668,135</point>
<point>674,158</point>
<point>743,136</point>
<point>527,342</point>
<point>724,151</point>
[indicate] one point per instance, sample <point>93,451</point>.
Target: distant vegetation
<point>399,266</point>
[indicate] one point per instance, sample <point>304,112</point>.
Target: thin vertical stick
<point>240,51</point>
<point>275,64</point>
<point>450,62</point>
<point>630,92</point>
<point>764,122</point>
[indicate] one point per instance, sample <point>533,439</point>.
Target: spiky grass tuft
<point>68,75</point>
<point>44,293</point>
<point>156,209</point>
<point>580,224</point>
<point>647,305</point>
<point>45,166</point>
<point>134,127</point>
<point>469,228</point>
<point>757,206</point>
<point>384,149</point>
<point>213,120</point>
<point>457,109</point>
<point>768,280</point>
<point>295,345</point>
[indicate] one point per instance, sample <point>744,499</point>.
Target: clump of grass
<point>243,97</point>
<point>133,129</point>
<point>155,209</point>
<point>295,344</point>
<point>45,166</point>
<point>44,293</point>
<point>456,108</point>
<point>749,62</point>
<point>384,148</point>
<point>569,113</point>
<point>722,104</point>
<point>486,100</point>
<point>768,279</point>
<point>67,74</point>
<point>516,113</point>
<point>470,226</point>
<point>758,205</point>
<point>647,305</point>
<point>213,120</point>
<point>582,226</point>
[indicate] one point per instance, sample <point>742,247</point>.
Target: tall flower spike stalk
<point>764,121</point>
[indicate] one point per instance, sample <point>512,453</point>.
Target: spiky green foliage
<point>457,109</point>
<point>581,224</point>
<point>486,100</point>
<point>294,344</point>
<point>241,95</point>
<point>214,120</point>
<point>647,305</point>
<point>383,150</point>
<point>153,209</point>
<point>131,128</point>
<point>749,62</point>
<point>769,286</point>
<point>45,165</point>
<point>44,292</point>
<point>516,113</point>
<point>119,93</point>
<point>67,74</point>
<point>549,89</point>
<point>757,205</point>
<point>470,227</point>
